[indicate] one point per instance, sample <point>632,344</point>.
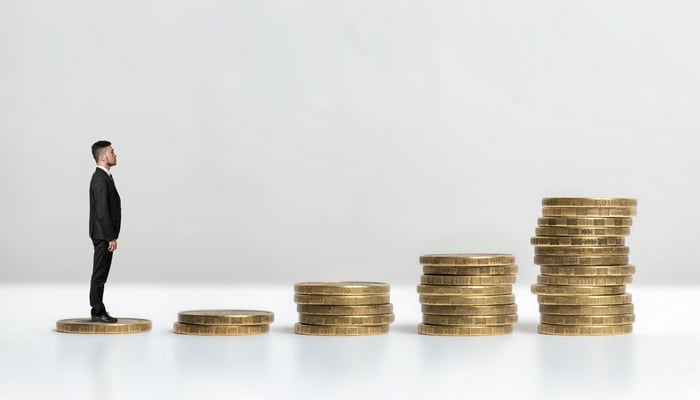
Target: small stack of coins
<point>343,308</point>
<point>584,266</point>
<point>467,294</point>
<point>86,326</point>
<point>223,322</point>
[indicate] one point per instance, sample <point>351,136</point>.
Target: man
<point>105,222</point>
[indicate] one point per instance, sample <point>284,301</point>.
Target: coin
<point>458,330</point>
<point>584,280</point>
<point>436,290</point>
<point>588,202</point>
<point>620,319</point>
<point>581,251</point>
<point>554,290</point>
<point>86,326</point>
<point>381,319</point>
<point>569,231</point>
<point>575,270</point>
<point>589,211</point>
<point>490,320</point>
<point>576,241</point>
<point>587,310</point>
<point>342,288</point>
<point>219,330</point>
<point>469,310</point>
<point>585,221</point>
<point>345,310</point>
<point>346,300</point>
<point>582,260</point>
<point>461,280</point>
<point>467,300</point>
<point>339,330</point>
<point>226,317</point>
<point>585,300</point>
<point>496,270</point>
<point>468,259</point>
<point>582,330</point>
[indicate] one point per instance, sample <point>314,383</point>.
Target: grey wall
<point>304,140</point>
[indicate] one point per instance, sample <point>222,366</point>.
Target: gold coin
<point>620,319</point>
<point>575,270</point>
<point>584,330</point>
<point>576,241</point>
<point>86,326</point>
<point>584,280</point>
<point>462,280</point>
<point>339,330</point>
<point>589,211</point>
<point>587,310</point>
<point>489,320</point>
<point>600,222</point>
<point>219,330</point>
<point>342,288</point>
<point>588,202</point>
<point>443,270</point>
<point>381,319</point>
<point>225,317</point>
<point>585,300</point>
<point>553,290</point>
<point>458,330</point>
<point>581,251</point>
<point>469,310</point>
<point>468,259</point>
<point>437,290</point>
<point>345,310</point>
<point>582,260</point>
<point>346,300</point>
<point>568,231</point>
<point>467,300</point>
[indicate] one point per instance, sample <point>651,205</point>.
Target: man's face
<point>110,156</point>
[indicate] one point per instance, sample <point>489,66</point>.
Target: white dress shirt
<point>105,170</point>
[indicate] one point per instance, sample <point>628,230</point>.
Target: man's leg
<point>101,264</point>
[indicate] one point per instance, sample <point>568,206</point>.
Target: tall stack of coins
<point>584,266</point>
<point>343,308</point>
<point>223,322</point>
<point>467,294</point>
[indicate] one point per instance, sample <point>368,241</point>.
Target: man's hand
<point>112,245</point>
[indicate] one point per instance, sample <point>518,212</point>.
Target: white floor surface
<point>660,360</point>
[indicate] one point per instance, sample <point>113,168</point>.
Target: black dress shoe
<point>103,317</point>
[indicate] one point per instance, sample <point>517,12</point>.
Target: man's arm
<point>100,195</point>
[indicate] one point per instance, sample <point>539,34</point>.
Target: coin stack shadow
<point>343,308</point>
<point>223,322</point>
<point>584,266</point>
<point>467,294</point>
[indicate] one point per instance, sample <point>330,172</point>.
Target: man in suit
<point>105,222</point>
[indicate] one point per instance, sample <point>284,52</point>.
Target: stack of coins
<point>223,322</point>
<point>343,308</point>
<point>86,326</point>
<point>467,294</point>
<point>584,266</point>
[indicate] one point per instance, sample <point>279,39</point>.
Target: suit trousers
<point>102,261</point>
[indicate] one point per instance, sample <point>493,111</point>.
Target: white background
<point>282,141</point>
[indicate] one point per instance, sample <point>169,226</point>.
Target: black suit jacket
<point>105,207</point>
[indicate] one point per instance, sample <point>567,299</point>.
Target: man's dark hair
<point>99,147</point>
